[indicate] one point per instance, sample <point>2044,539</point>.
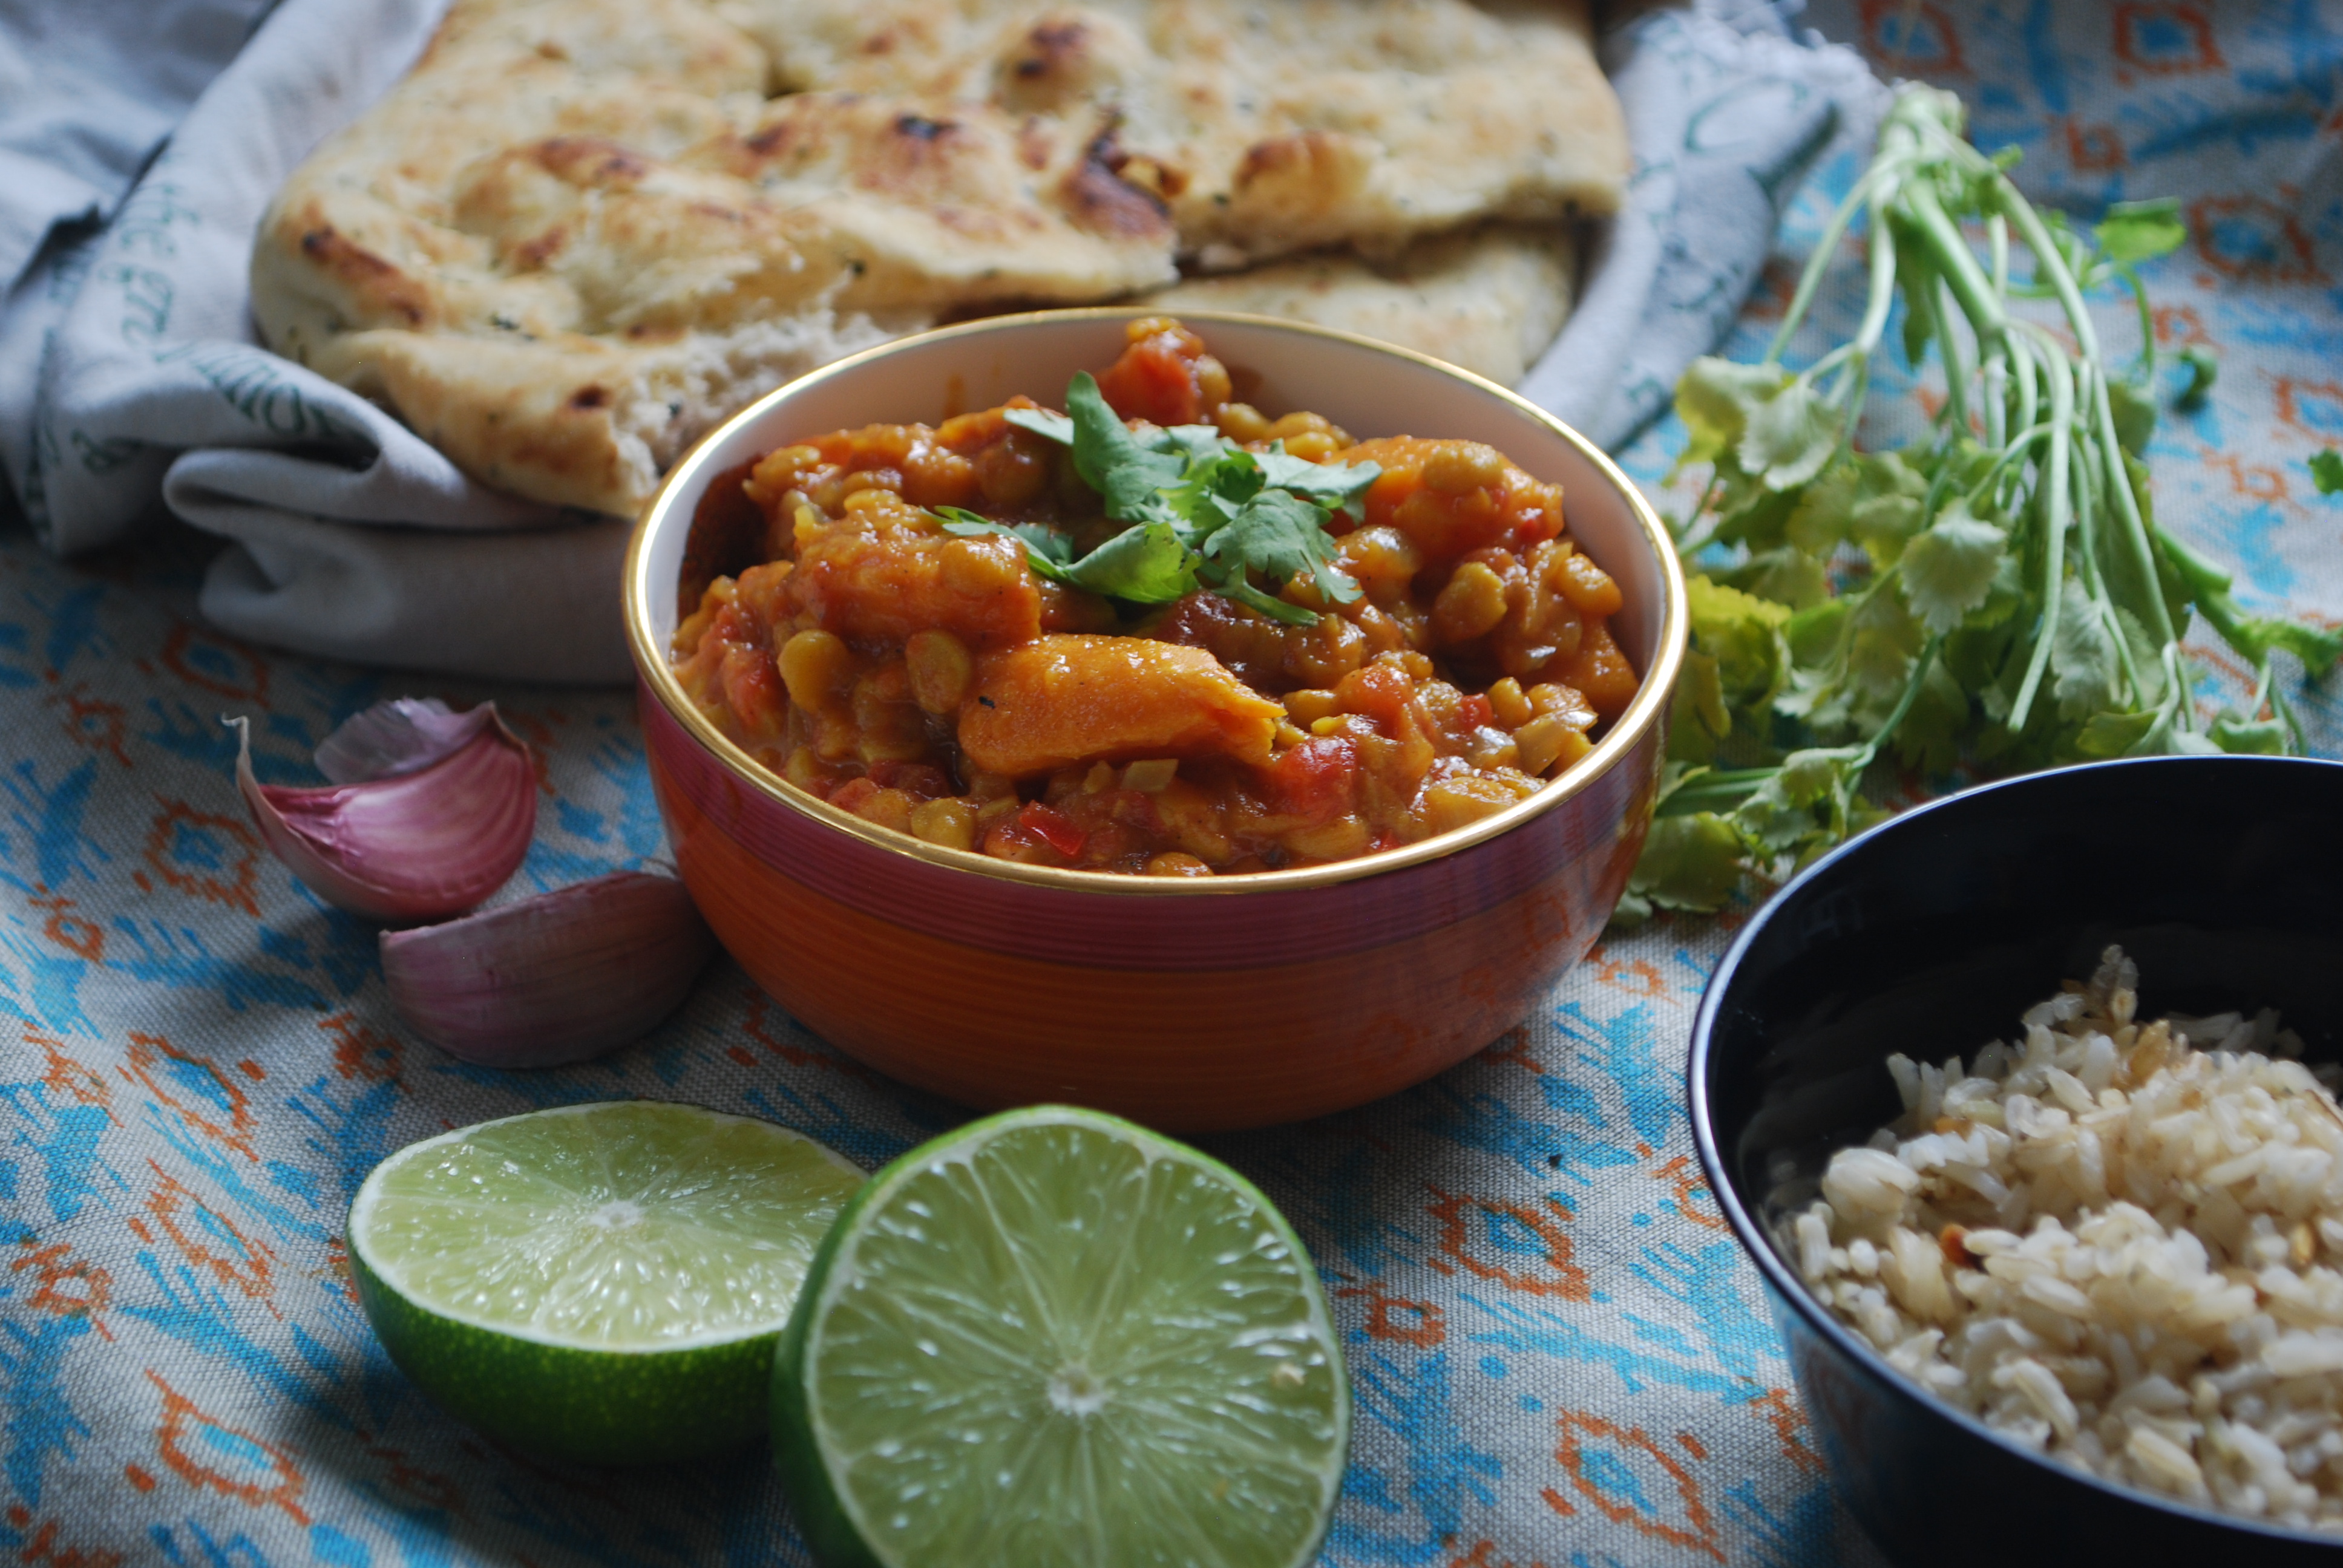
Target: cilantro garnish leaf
<point>1049,551</point>
<point>1281,535</point>
<point>2327,471</point>
<point>1214,490</point>
<point>1147,564</point>
<point>1044,422</point>
<point>1340,487</point>
<point>1200,510</point>
<point>1113,461</point>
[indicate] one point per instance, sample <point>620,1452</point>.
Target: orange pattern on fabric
<point>2133,21</point>
<point>188,647</point>
<point>1427,1331</point>
<point>147,1054</point>
<point>237,888</point>
<point>1455,1211</point>
<point>1576,1426</point>
<point>182,1422</point>
<point>1687,1181</point>
<point>363,1051</point>
<point>194,1226</point>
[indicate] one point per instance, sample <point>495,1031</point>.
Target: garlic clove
<point>404,735</point>
<point>558,977</point>
<point>416,846</point>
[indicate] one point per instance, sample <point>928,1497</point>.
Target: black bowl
<point>1930,935</point>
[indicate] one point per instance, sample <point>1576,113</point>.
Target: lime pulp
<point>1054,1338</point>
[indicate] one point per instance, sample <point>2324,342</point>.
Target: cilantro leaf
<point>1689,862</point>
<point>1787,576</point>
<point>1789,437</point>
<point>1115,462</point>
<point>1742,633</point>
<point>1213,491</point>
<point>1046,551</point>
<point>2262,738</point>
<point>1949,570</point>
<point>1043,422</point>
<point>1697,715</point>
<point>2135,415</point>
<point>1338,487</point>
<point>1716,397</point>
<point>1281,535</point>
<point>1229,582</point>
<point>2203,371</point>
<point>2327,471</point>
<point>1145,565</point>
<point>2136,231</point>
<point>2114,734</point>
<point>2082,654</point>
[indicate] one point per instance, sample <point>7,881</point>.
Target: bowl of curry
<point>1219,721</point>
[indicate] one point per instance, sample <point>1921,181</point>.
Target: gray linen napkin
<point>129,369</point>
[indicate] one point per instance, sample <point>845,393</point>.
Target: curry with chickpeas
<point>1158,633</point>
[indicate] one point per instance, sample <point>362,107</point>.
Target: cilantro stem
<point>1903,708</point>
<point>1882,172</point>
<point>2052,500</point>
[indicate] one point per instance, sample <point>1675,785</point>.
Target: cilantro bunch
<point>1996,595</point>
<point>1197,510</point>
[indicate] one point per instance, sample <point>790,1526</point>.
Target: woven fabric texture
<point>1560,1355</point>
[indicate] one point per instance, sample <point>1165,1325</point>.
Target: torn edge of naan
<point>1489,299</point>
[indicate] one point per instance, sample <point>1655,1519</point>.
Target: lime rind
<point>603,1283</point>
<point>1214,1420</point>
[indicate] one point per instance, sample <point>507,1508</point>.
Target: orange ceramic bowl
<point>1217,1002</point>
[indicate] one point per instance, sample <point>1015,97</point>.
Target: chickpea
<point>1241,423</point>
<point>1548,739</point>
<point>1173,863</point>
<point>1506,701</point>
<point>1311,704</point>
<point>814,665</point>
<point>888,808</point>
<point>1466,799</point>
<point>940,667</point>
<point>1456,467</point>
<point>949,823</point>
<point>1470,605</point>
<point>982,566</point>
<point>1013,471</point>
<point>863,479</point>
<point>1324,653</point>
<point>1383,559</point>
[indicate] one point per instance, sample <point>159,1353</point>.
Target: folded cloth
<point>129,369</point>
<point>1727,110</point>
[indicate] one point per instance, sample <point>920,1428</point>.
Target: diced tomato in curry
<point>933,684</point>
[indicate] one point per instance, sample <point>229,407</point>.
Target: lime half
<point>1053,1338</point>
<point>602,1283</point>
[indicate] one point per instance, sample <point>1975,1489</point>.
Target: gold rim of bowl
<point>1649,705</point>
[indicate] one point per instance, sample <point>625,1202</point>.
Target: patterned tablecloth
<point>1560,1355</point>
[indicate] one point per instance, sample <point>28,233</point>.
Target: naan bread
<point>1266,126</point>
<point>1490,299</point>
<point>581,232</point>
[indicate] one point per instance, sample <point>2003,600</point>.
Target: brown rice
<point>2117,1243</point>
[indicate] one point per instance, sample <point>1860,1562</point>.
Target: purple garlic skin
<point>555,979</point>
<point>447,825</point>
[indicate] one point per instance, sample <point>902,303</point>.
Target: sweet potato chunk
<point>887,570</point>
<point>1059,700</point>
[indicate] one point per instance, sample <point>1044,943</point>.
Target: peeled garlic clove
<point>404,735</point>
<point>416,846</point>
<point>558,977</point>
